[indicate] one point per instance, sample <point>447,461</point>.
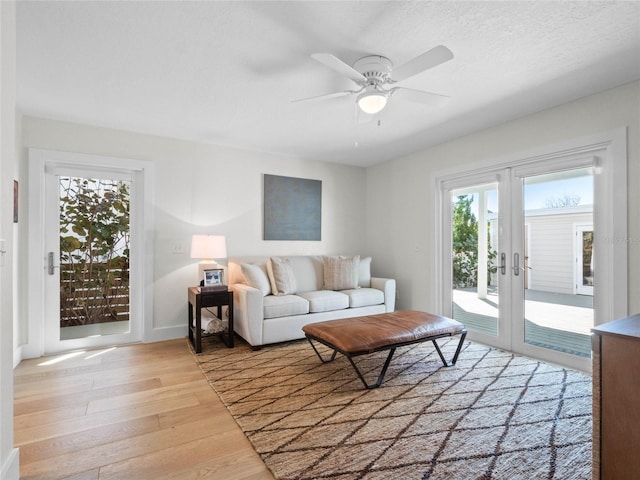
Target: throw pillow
<point>340,273</point>
<point>256,277</point>
<point>283,282</point>
<point>364,272</point>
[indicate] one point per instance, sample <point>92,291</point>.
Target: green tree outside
<point>465,245</point>
<point>94,250</point>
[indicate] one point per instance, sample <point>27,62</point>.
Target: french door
<point>87,246</point>
<point>510,235</point>
<point>554,318</point>
<point>90,256</point>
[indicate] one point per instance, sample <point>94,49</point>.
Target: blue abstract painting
<point>292,208</point>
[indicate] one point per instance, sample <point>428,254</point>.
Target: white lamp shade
<point>372,101</point>
<point>208,246</point>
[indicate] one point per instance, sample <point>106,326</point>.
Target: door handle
<point>50,265</point>
<point>516,265</point>
<point>503,263</point>
<point>2,251</point>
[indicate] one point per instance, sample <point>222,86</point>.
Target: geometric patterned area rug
<point>494,415</point>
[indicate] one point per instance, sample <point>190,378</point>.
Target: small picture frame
<point>213,277</point>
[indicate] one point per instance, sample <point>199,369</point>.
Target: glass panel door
<point>94,257</point>
<point>559,266</point>
<point>558,315</point>
<point>87,291</point>
<point>475,259</point>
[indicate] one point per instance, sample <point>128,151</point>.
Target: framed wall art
<point>292,208</point>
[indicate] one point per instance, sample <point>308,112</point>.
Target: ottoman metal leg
<point>320,356</point>
<point>455,356</point>
<point>382,373</point>
<point>355,367</point>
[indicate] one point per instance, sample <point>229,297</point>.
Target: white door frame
<point>608,151</point>
<point>142,220</point>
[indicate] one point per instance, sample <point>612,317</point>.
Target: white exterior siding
<point>551,251</point>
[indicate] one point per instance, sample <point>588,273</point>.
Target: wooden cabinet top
<point>624,327</point>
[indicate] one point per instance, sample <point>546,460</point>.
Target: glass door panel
<point>552,278</point>
<point>557,313</point>
<point>87,259</point>
<point>474,240</point>
<point>94,257</point>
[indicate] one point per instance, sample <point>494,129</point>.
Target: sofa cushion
<point>364,272</point>
<point>363,297</point>
<point>325,300</point>
<point>283,282</point>
<point>256,277</point>
<point>308,271</point>
<point>284,305</point>
<point>340,273</point>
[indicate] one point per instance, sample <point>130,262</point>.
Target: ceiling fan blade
<point>427,60</point>
<point>339,66</point>
<point>324,97</point>
<point>419,96</point>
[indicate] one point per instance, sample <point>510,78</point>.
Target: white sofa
<point>313,291</point>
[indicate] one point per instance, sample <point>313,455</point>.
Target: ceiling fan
<point>375,76</point>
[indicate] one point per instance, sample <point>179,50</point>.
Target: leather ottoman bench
<point>386,331</point>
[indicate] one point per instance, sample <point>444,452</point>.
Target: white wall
<point>202,188</point>
<point>400,195</point>
<point>9,457</point>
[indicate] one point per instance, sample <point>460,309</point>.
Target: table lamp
<point>207,248</point>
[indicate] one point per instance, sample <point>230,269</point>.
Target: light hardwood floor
<point>132,412</point>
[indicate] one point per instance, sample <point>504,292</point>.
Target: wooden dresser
<point>616,399</point>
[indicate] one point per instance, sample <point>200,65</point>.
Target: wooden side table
<point>199,300</point>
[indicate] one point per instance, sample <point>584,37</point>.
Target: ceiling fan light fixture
<point>372,101</point>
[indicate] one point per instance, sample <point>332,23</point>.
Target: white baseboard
<point>165,333</point>
<point>11,467</point>
<point>17,358</point>
<point>154,335</point>
<point>27,350</point>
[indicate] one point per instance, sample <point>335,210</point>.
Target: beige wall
<point>202,188</point>
<point>9,456</point>
<point>400,194</point>
<point>397,196</point>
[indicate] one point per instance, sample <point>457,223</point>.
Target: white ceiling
<point>226,72</point>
